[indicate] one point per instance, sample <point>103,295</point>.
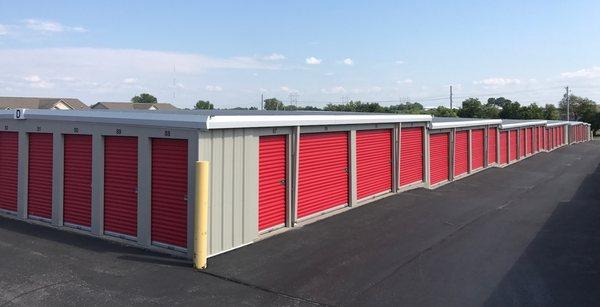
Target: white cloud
<point>274,57</point>
<point>329,73</point>
<point>497,81</point>
<point>213,88</point>
<point>405,81</point>
<point>586,73</point>
<point>313,61</point>
<point>130,80</point>
<point>348,61</point>
<point>334,90</point>
<point>368,90</point>
<point>36,81</point>
<point>399,62</point>
<point>47,26</point>
<point>3,30</point>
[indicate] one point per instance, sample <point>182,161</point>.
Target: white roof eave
<point>258,121</point>
<point>461,124</point>
<point>524,124</point>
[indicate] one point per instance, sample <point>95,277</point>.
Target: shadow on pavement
<point>561,266</point>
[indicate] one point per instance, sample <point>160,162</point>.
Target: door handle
<point>282,181</point>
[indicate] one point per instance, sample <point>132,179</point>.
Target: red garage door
<point>411,156</point>
<point>477,147</point>
<point>39,192</point>
<point>77,191</point>
<point>120,185</point>
<point>522,143</point>
<point>503,147</point>
<point>272,195</point>
<point>492,150</point>
<point>513,145</point>
<point>323,172</point>
<point>461,152</point>
<point>529,136</point>
<point>373,162</point>
<point>169,191</point>
<point>9,170</point>
<point>547,138</point>
<point>540,138</point>
<point>439,157</point>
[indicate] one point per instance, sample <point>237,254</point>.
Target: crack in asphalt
<point>35,290</point>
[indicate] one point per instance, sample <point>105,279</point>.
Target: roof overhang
<point>463,123</point>
<point>207,122</point>
<point>555,124</point>
<point>523,124</point>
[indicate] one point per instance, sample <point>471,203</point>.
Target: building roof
<point>458,122</point>
<point>40,103</point>
<point>217,119</point>
<point>518,123</point>
<point>134,106</point>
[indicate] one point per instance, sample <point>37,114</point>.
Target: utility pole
<point>450,97</point>
<point>568,107</point>
<point>262,101</point>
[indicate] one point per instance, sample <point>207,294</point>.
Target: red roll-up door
<point>492,149</point>
<point>529,136</point>
<point>513,145</point>
<point>39,191</point>
<point>547,138</point>
<point>541,134</point>
<point>522,143</point>
<point>77,190</point>
<point>503,147</point>
<point>169,191</point>
<point>373,162</point>
<point>461,152</point>
<point>411,155</point>
<point>272,163</point>
<point>554,138</point>
<point>323,172</point>
<point>477,148</point>
<point>120,185</point>
<point>9,170</point>
<point>439,157</point>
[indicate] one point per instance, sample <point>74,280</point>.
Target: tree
<point>579,107</point>
<point>511,110</point>
<point>551,112</point>
<point>203,105</point>
<point>273,104</point>
<point>144,98</point>
<point>442,111</point>
<point>407,108</point>
<point>490,111</point>
<point>471,108</point>
<point>499,102</point>
<point>532,111</point>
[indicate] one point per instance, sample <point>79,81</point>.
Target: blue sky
<point>230,52</point>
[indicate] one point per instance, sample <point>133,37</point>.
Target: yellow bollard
<point>201,215</point>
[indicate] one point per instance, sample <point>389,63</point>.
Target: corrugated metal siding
<point>9,170</point>
<point>411,155</point>
<point>120,184</point>
<point>39,191</point>
<point>439,157</point>
<point>492,146</point>
<point>461,152</point>
<point>513,145</point>
<point>272,181</point>
<point>504,147</point>
<point>169,191</point>
<point>477,147</point>
<point>373,162</point>
<point>233,196</point>
<point>77,188</point>
<point>323,172</point>
<point>522,143</point>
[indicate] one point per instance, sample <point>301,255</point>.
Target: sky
<point>311,52</point>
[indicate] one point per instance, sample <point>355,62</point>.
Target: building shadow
<point>561,266</point>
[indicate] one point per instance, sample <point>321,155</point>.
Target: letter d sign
<point>19,114</point>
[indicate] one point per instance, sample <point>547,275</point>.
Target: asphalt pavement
<point>527,234</point>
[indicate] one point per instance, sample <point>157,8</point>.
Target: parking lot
<point>524,235</point>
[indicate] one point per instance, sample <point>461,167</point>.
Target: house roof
<point>39,103</point>
<point>134,106</point>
